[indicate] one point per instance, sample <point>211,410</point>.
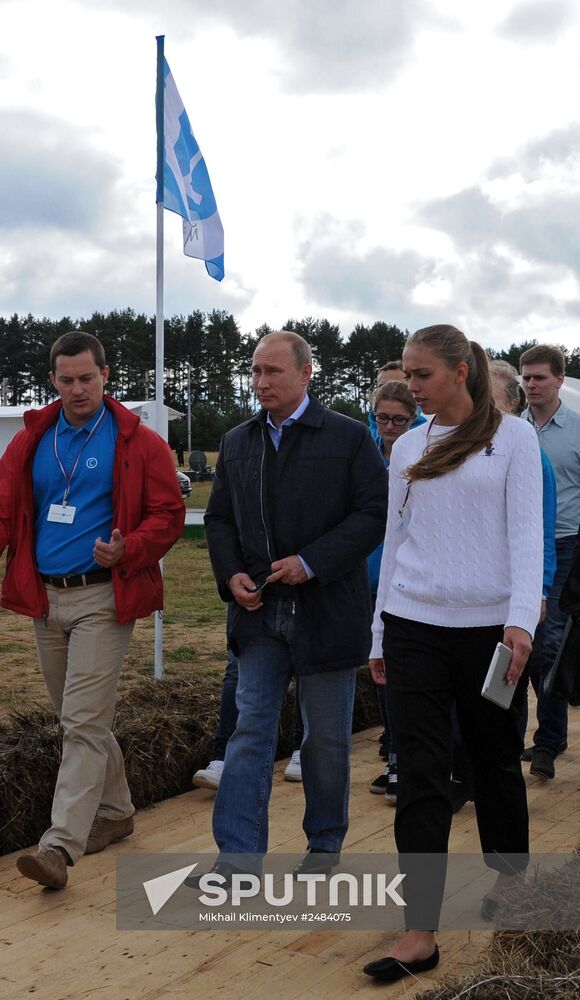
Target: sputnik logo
<point>160,890</point>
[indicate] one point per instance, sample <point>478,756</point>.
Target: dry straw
<point>536,965</point>
<point>165,730</point>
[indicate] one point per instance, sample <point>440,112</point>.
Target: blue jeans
<point>228,716</point>
<point>228,711</point>
<point>240,816</point>
<point>552,714</point>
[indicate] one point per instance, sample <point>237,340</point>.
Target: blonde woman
<point>461,571</point>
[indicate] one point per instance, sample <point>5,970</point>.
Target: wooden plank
<point>65,946</point>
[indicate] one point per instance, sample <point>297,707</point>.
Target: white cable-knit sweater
<point>468,549</point>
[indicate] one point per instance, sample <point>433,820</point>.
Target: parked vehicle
<point>184,484</point>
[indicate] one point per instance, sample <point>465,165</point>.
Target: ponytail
<point>477,432</point>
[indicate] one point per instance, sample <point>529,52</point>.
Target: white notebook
<point>494,686</point>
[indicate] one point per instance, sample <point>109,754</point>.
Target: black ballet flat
<point>389,969</point>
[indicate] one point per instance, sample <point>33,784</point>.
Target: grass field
<point>194,626</point>
<point>199,491</point>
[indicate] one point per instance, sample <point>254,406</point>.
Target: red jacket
<point>148,510</point>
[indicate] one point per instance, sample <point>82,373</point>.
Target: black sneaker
<point>379,785</point>
<point>542,764</point>
<point>392,784</point>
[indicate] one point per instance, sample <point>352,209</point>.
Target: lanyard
<point>488,452</point>
<point>68,475</point>
<point>409,484</point>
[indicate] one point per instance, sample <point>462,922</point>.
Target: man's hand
<point>378,670</point>
<point>520,642</point>
<point>108,554</point>
<point>289,570</point>
<point>241,586</point>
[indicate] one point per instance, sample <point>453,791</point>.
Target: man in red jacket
<point>89,503</point>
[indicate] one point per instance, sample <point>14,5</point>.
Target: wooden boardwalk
<point>65,946</point>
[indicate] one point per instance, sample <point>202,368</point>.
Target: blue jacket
<point>374,560</point>
<point>550,500</point>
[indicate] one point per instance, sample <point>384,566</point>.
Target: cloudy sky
<point>403,160</point>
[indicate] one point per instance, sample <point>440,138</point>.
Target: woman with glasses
<point>394,411</point>
<point>461,571</point>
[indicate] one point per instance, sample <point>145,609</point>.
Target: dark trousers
<point>428,668</point>
<point>552,714</point>
<point>386,737</point>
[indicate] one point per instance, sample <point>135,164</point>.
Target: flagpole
<point>159,307</point>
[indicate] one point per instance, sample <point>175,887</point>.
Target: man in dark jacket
<point>299,500</point>
<point>89,502</point>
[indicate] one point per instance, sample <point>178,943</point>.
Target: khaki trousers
<point>81,648</point>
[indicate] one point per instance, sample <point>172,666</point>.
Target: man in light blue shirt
<point>558,430</point>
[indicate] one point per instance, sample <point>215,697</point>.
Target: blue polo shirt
<point>63,549</point>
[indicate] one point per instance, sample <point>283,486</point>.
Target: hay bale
<point>30,748</point>
<point>535,965</point>
<point>539,965</point>
<point>508,986</point>
<point>165,730</point>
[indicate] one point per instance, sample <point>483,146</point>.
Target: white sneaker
<point>293,770</point>
<point>209,777</point>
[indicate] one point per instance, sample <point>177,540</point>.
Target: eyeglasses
<point>396,421</point>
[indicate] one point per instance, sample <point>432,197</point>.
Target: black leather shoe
<point>528,753</point>
<point>317,863</point>
<point>542,764</point>
<point>223,868</point>
<point>389,969</point>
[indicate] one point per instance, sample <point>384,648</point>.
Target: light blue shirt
<point>560,439</point>
<point>67,549</point>
<point>276,437</point>
<point>276,432</point>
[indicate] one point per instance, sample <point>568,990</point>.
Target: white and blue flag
<point>186,186</point>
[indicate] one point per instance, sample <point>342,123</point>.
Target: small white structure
<point>570,393</point>
<point>11,418</point>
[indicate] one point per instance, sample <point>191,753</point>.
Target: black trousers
<point>428,668</point>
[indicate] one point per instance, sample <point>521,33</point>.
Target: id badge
<point>61,514</point>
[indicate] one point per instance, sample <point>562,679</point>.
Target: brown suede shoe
<point>107,831</point>
<point>47,866</point>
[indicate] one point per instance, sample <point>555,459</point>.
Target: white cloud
<point>540,21</point>
<point>370,159</point>
<point>325,46</point>
<point>51,176</point>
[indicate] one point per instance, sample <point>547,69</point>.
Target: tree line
<point>208,357</point>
